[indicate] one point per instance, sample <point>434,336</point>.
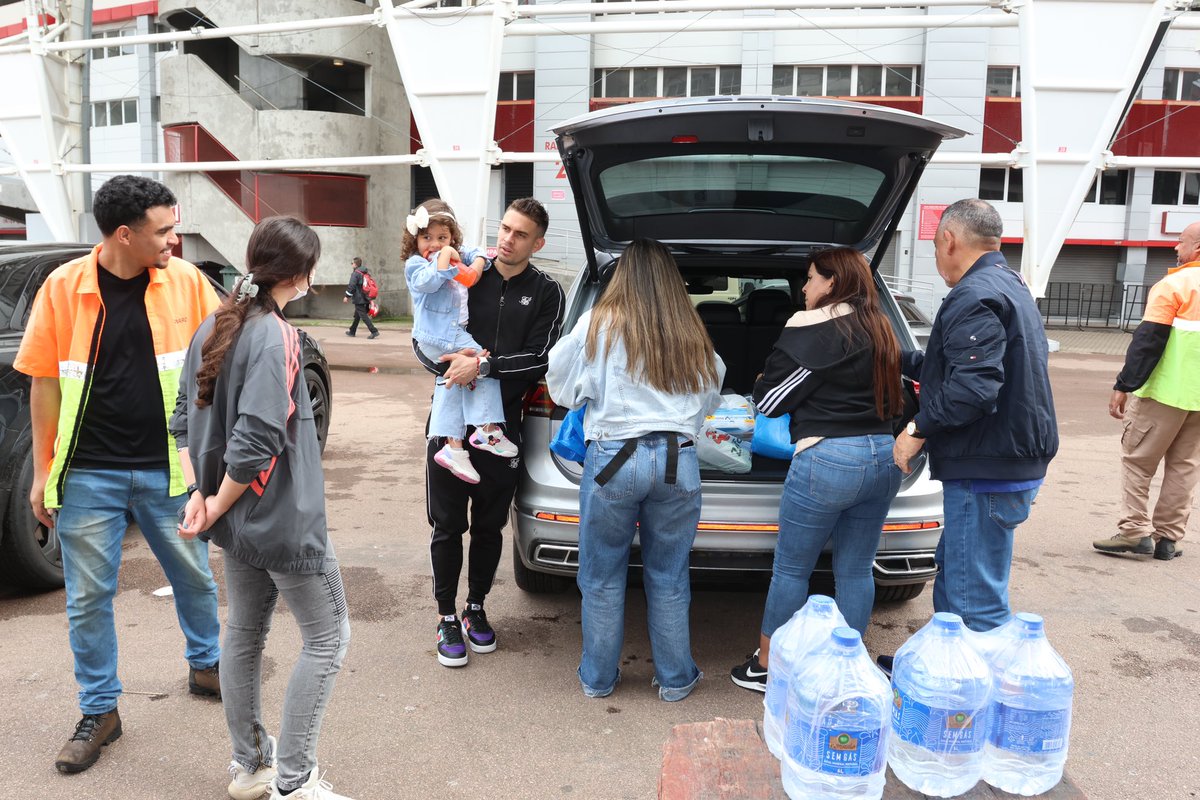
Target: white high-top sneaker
<point>313,789</point>
<point>252,785</point>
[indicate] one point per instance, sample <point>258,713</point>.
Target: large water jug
<point>1031,713</point>
<point>941,692</point>
<point>837,724</point>
<point>798,638</point>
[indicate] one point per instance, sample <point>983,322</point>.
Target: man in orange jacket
<point>104,346</point>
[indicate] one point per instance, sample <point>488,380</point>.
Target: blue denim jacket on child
<point>435,304</point>
<point>620,406</point>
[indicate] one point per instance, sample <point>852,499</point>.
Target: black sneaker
<point>451,651</point>
<point>480,635</point>
<point>750,675</point>
<point>1165,550</point>
<point>885,664</point>
<point>374,335</point>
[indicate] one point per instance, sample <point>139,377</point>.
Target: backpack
<point>370,288</point>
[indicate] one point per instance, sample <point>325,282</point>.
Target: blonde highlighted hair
<point>646,306</point>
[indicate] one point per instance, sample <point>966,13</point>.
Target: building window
<point>1004,82</point>
<point>1001,184</point>
<point>116,50</point>
<point>667,81</point>
<point>1176,188</point>
<point>1181,84</point>
<point>846,80</point>
<point>1111,190</point>
<point>515,86</point>
<point>107,113</point>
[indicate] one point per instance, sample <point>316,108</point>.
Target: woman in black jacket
<point>836,370</point>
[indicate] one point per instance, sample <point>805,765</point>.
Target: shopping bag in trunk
<point>718,450</point>
<point>773,437</point>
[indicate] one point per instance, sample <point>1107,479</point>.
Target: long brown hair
<point>646,306</point>
<point>854,285</point>
<point>280,249</point>
<point>439,212</point>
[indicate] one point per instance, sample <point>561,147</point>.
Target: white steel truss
<point>1074,91</point>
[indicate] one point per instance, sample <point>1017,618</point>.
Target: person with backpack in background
<point>361,290</point>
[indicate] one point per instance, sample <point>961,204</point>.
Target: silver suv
<point>742,190</point>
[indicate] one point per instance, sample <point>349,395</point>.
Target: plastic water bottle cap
<point>846,637</point>
<point>1031,619</point>
<point>1030,624</point>
<point>947,621</point>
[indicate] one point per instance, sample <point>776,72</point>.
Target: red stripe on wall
<point>102,17</point>
<point>1100,242</point>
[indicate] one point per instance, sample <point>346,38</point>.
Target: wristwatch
<point>485,367</point>
<point>911,429</point>
<point>193,487</point>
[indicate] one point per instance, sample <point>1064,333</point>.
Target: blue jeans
<point>97,507</point>
<point>840,488</point>
<point>974,555</point>
<point>318,604</point>
<point>455,407</point>
<point>638,502</point>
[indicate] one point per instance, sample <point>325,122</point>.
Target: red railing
<point>318,198</point>
<point>513,128</point>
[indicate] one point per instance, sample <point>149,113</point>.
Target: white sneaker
<point>457,461</point>
<point>252,785</point>
<point>494,442</point>
<point>313,789</point>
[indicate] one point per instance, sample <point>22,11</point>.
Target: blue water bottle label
<point>941,730</point>
<point>846,752</point>
<point>1019,730</point>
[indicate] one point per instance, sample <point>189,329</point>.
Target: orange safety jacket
<point>62,339</point>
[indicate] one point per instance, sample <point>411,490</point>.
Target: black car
<point>30,557</point>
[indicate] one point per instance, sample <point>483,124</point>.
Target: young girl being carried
<point>438,277</point>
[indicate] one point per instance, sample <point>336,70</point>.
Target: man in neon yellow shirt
<point>1162,421</point>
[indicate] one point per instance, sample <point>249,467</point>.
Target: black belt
<point>630,447</point>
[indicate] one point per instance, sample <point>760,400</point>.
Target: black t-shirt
<point>124,425</point>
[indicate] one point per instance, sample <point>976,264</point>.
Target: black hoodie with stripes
<point>821,372</point>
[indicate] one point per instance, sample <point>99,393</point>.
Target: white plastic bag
<point>734,416</point>
<point>719,450</point>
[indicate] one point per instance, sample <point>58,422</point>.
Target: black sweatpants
<point>446,500</point>
<point>362,312</point>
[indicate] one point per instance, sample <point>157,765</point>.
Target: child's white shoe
<point>458,462</point>
<point>494,442</point>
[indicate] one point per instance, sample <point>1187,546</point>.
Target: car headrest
<point>764,306</point>
<point>714,312</point>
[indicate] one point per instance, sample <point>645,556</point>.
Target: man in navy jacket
<point>987,416</point>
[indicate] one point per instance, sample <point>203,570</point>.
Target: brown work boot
<point>205,682</point>
<point>1119,544</point>
<point>91,733</point>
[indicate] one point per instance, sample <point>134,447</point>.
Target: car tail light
<point>894,527</point>
<point>684,139</point>
<point>538,402</point>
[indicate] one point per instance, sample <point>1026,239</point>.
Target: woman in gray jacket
<point>244,427</point>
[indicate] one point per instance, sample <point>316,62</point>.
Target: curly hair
<point>280,249</point>
<point>439,212</point>
<point>124,200</point>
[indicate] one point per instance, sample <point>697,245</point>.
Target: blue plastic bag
<point>773,437</point>
<point>569,442</point>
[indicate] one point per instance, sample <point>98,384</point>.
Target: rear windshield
<point>791,189</point>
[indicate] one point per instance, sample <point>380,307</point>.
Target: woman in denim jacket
<point>643,362</point>
<point>438,279</point>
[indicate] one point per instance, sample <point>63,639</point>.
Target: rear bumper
<point>553,547</point>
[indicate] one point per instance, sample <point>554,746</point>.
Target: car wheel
<point>319,395</point>
<point>898,594</point>
<point>537,582</point>
<point>30,554</point>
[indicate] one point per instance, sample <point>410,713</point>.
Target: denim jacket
<point>435,305</point>
<point>621,406</point>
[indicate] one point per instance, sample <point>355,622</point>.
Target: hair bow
<point>419,219</point>
<point>246,288</point>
